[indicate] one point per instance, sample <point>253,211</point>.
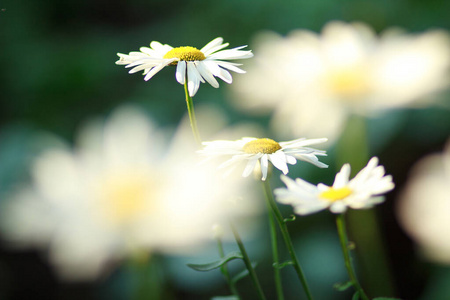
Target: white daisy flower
<point>193,65</point>
<point>363,191</point>
<point>309,78</point>
<point>114,196</point>
<point>424,204</point>
<point>254,150</point>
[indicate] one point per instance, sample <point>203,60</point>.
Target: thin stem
<point>224,269</point>
<point>287,238</point>
<point>276,259</point>
<point>363,225</point>
<point>147,282</point>
<point>248,263</point>
<point>192,119</point>
<point>340,222</point>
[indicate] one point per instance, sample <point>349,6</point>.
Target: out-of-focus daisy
<point>424,206</point>
<point>192,65</point>
<point>311,79</point>
<point>118,194</point>
<point>253,150</point>
<point>363,191</point>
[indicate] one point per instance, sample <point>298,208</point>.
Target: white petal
<point>312,159</point>
<point>206,73</point>
<point>234,53</point>
<point>144,64</point>
<point>287,181</point>
<point>234,160</point>
<point>264,166</point>
<point>155,70</point>
<point>180,74</point>
<point>213,46</point>
<point>342,177</point>
<point>218,71</point>
<point>338,207</point>
<point>302,142</point>
<point>230,66</point>
<point>160,48</point>
<point>193,78</point>
<point>291,160</point>
<point>149,51</point>
<point>249,167</point>
<point>309,209</point>
<point>278,159</point>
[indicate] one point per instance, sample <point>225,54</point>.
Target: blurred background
<point>58,71</point>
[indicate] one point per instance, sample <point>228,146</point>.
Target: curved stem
<point>287,238</point>
<point>340,222</point>
<point>224,269</point>
<point>192,119</point>
<point>276,259</point>
<point>248,263</point>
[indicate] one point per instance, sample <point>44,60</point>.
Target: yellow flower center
<point>348,83</point>
<point>266,146</point>
<point>333,194</point>
<point>185,53</point>
<point>124,197</point>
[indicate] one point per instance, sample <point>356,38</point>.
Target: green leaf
<point>355,295</point>
<point>280,266</point>
<point>343,286</point>
<point>242,274</point>
<point>290,219</point>
<point>386,298</point>
<point>231,297</point>
<point>216,264</point>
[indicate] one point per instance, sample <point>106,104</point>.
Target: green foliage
<point>290,219</point>
<point>242,274</point>
<point>280,266</point>
<point>231,297</point>
<point>356,296</point>
<point>343,286</point>
<point>216,264</point>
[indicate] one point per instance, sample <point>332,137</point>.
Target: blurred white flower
<point>424,206</point>
<point>254,150</point>
<point>117,195</point>
<point>363,191</point>
<point>314,81</point>
<point>193,65</point>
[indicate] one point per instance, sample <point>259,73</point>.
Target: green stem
<point>192,119</point>
<point>363,225</point>
<point>340,222</point>
<point>146,279</point>
<point>248,263</point>
<point>276,259</point>
<point>287,238</point>
<point>224,269</point>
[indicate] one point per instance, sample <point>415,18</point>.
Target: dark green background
<point>57,71</point>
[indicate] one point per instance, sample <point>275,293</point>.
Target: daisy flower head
<point>192,65</point>
<point>112,197</point>
<point>253,150</point>
<point>347,68</point>
<point>423,206</point>
<point>363,191</point>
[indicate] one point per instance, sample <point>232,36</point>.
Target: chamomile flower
<point>253,150</point>
<point>121,192</point>
<point>308,78</point>
<point>363,191</point>
<point>192,65</point>
<point>424,204</point>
